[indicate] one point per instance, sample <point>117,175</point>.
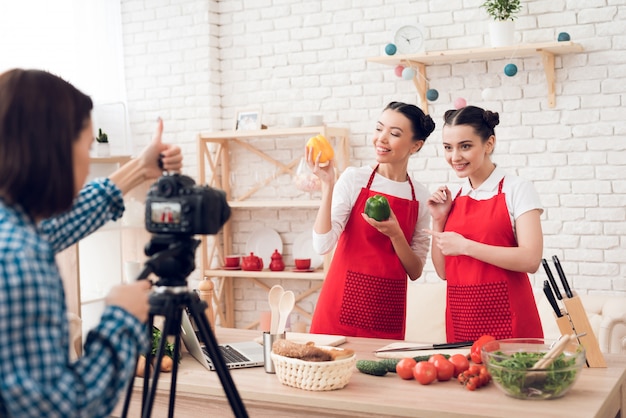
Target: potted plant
<point>102,144</point>
<point>503,13</point>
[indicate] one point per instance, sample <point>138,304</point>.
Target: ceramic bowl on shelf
<point>313,120</point>
<point>510,361</point>
<point>303,263</point>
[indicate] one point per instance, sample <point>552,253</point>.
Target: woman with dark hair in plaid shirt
<point>45,137</point>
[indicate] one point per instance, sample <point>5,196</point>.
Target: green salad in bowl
<point>510,363</point>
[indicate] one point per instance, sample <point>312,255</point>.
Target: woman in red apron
<point>487,238</point>
<point>364,293</point>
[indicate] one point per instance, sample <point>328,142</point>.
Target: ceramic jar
<point>277,263</point>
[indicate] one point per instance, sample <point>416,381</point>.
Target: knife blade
<point>559,270</point>
<point>443,346</point>
<point>550,296</point>
<point>555,288</point>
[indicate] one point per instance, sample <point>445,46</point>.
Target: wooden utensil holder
<point>576,321</point>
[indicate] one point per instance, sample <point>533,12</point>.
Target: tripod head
<point>172,259</point>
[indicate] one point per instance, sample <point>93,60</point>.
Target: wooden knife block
<point>575,321</point>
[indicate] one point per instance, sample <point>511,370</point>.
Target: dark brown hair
<point>41,116</point>
<point>422,124</point>
<point>483,121</point>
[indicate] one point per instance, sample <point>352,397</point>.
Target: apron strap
<point>369,183</point>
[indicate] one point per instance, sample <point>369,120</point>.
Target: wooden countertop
<point>598,392</point>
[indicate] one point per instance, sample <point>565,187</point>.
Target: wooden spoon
<point>274,296</point>
<point>287,302</point>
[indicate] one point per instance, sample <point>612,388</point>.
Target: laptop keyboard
<point>230,354</point>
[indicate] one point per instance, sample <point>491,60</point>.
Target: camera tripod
<point>172,260</point>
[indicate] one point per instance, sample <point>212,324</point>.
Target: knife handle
<point>555,288</point>
<point>559,270</point>
<point>459,344</point>
<point>550,296</point>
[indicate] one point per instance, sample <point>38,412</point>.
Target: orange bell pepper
<point>319,144</point>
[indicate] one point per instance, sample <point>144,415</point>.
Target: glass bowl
<point>510,361</point>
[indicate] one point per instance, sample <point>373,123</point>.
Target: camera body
<point>176,205</point>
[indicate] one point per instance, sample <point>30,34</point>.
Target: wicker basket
<point>313,375</point>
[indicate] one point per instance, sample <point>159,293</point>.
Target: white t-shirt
<point>347,190</point>
<point>520,194</point>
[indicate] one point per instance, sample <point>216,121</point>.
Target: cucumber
<point>375,368</point>
<point>390,363</point>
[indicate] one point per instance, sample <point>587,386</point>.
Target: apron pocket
<point>480,309</point>
<point>373,303</point>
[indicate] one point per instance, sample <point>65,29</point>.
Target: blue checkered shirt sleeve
<point>36,376</point>
<point>97,203</point>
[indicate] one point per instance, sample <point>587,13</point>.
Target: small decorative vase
<point>501,32</point>
<point>102,149</point>
<point>277,263</point>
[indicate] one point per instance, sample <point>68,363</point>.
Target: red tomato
<point>445,369</point>
<point>404,368</point>
<point>435,357</point>
<point>425,372</point>
<point>476,347</point>
<point>461,363</point>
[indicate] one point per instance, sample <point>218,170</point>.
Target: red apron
<point>482,298</point>
<point>364,293</point>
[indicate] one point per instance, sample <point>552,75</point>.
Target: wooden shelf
<point>267,274</point>
<point>214,168</point>
<point>256,204</point>
<point>113,159</point>
<point>547,51</point>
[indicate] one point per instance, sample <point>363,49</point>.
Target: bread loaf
<point>308,351</point>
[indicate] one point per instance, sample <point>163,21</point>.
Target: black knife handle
<point>459,344</point>
<point>555,288</point>
<point>559,269</point>
<point>550,296</point>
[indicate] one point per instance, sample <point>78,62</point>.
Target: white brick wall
<point>196,62</point>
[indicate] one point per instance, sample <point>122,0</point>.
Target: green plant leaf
<point>502,9</point>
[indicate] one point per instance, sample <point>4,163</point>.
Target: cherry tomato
<point>404,368</point>
<point>425,372</point>
<point>445,369</point>
<point>461,363</point>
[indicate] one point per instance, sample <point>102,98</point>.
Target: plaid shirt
<point>36,376</point>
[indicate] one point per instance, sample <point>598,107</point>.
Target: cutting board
<point>317,339</point>
<point>415,353</point>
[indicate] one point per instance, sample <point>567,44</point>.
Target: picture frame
<point>248,120</point>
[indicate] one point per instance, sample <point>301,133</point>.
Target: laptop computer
<point>236,355</point>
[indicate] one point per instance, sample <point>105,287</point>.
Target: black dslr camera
<point>176,205</point>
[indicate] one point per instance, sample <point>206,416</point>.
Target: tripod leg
<point>172,322</point>
<point>196,309</point>
<point>131,384</point>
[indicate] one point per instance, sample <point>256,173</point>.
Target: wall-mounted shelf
<point>547,51</point>
<point>214,168</point>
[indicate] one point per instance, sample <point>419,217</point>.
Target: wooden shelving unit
<point>547,51</point>
<point>214,169</point>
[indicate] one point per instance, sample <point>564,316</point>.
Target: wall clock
<point>409,40</point>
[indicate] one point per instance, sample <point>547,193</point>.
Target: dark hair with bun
<point>483,121</point>
<point>422,124</point>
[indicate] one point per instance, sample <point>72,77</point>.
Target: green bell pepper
<point>377,207</point>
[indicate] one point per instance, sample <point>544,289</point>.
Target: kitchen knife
<point>443,346</point>
<point>546,267</point>
<point>559,269</point>
<point>550,296</point>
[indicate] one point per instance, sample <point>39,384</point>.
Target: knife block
<point>577,322</point>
